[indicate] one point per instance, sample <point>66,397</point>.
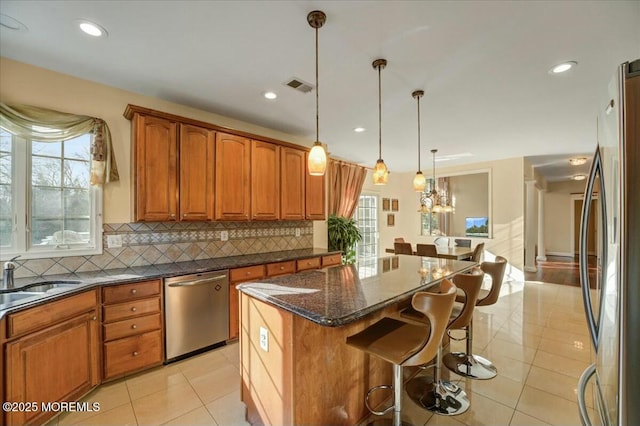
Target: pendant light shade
<point>419,181</point>
<point>439,199</point>
<point>317,159</point>
<point>380,171</point>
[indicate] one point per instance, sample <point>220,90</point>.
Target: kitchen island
<point>295,365</point>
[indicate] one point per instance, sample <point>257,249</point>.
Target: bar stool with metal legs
<point>406,344</point>
<point>468,364</point>
<point>438,395</point>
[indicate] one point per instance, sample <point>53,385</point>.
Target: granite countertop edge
<point>109,277</point>
<point>323,320</point>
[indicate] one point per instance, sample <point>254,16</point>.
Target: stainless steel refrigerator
<point>612,302</point>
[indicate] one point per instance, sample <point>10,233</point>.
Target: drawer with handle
<point>246,274</point>
<point>281,268</point>
<point>132,353</point>
<point>312,263</point>
<point>331,260</point>
<point>130,309</point>
<point>121,293</point>
<point>129,327</point>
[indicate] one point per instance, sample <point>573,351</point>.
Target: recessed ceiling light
<point>577,161</point>
<point>270,95</point>
<point>563,67</point>
<point>10,23</point>
<point>359,129</point>
<point>91,28</point>
<point>578,177</point>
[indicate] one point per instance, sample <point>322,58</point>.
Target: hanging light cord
<point>433,189</point>
<point>317,108</point>
<point>379,113</point>
<point>418,98</point>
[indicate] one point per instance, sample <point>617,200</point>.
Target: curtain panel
<point>345,185</point>
<point>45,125</point>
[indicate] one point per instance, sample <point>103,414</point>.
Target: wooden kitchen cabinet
<point>132,327</point>
<point>57,362</point>
<point>314,195</point>
<point>265,181</point>
<point>311,263</point>
<point>233,189</point>
<point>196,173</point>
<point>156,172</point>
<point>293,170</point>
<point>281,268</point>
<point>238,276</point>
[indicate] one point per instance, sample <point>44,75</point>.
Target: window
<point>367,219</point>
<point>47,205</point>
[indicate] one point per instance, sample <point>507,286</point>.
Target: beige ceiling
<point>483,65</point>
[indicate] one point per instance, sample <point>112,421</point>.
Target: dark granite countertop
<point>342,294</point>
<point>140,273</point>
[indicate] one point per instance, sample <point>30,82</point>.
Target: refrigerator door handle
<point>582,388</point>
<point>596,171</point>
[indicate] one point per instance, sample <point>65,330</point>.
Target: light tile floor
<point>536,335</point>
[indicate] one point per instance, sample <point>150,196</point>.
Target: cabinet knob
<point>282,268</point>
<point>94,318</point>
<point>134,326</point>
<point>135,354</point>
<point>133,309</point>
<point>173,215</point>
<point>184,215</point>
<point>248,273</point>
<point>134,291</point>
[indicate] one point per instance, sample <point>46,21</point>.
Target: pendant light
<point>419,181</point>
<point>380,171</point>
<point>317,159</point>
<point>439,199</point>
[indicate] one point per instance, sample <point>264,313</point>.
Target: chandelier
<point>435,200</point>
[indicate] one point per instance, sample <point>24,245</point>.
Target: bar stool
<point>421,390</point>
<point>468,364</point>
<point>407,344</point>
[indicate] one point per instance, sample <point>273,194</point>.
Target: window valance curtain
<point>345,185</point>
<point>45,125</point>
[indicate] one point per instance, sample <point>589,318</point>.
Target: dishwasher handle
<point>198,282</point>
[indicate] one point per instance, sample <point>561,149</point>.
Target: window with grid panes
<point>367,219</point>
<point>47,205</point>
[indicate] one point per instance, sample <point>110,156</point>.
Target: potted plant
<point>343,235</point>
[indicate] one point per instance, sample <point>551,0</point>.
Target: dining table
<point>446,252</point>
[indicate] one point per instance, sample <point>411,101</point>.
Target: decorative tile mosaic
<point>160,242</point>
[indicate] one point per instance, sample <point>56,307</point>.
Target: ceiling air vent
<point>299,85</point>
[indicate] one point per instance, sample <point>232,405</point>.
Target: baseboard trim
<point>559,253</point>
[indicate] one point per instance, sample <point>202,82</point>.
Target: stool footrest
<point>470,366</point>
<point>443,397</point>
<point>366,400</point>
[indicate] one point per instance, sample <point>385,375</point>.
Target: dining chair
<point>462,242</point>
<point>428,250</point>
<point>399,240</point>
<point>441,241</point>
<point>477,253</point>
<point>402,248</point>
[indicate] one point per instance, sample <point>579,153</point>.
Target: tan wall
<point>472,200</point>
<point>557,215</point>
<point>22,83</point>
<point>506,210</point>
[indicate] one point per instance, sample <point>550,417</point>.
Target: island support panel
<point>308,375</point>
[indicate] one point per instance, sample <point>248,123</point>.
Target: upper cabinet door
<point>156,173</point>
<point>232,195</point>
<point>196,172</point>
<point>314,196</point>
<point>265,181</point>
<point>292,170</point>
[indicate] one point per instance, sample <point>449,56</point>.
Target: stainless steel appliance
<point>196,312</point>
<point>612,303</point>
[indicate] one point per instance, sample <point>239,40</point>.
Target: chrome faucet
<point>7,274</point>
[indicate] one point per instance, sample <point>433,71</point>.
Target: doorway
<point>592,226</point>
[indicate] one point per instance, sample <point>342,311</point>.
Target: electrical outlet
<point>224,235</point>
<point>297,232</point>
<point>264,339</point>
<point>114,241</point>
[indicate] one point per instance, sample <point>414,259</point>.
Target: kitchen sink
<point>42,287</point>
<point>12,297</point>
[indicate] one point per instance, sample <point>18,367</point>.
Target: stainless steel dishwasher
<point>196,312</point>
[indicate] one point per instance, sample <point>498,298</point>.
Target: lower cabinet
<point>132,327</point>
<point>60,362</point>
<point>238,276</point>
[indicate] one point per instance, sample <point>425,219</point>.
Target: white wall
<point>506,210</point>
